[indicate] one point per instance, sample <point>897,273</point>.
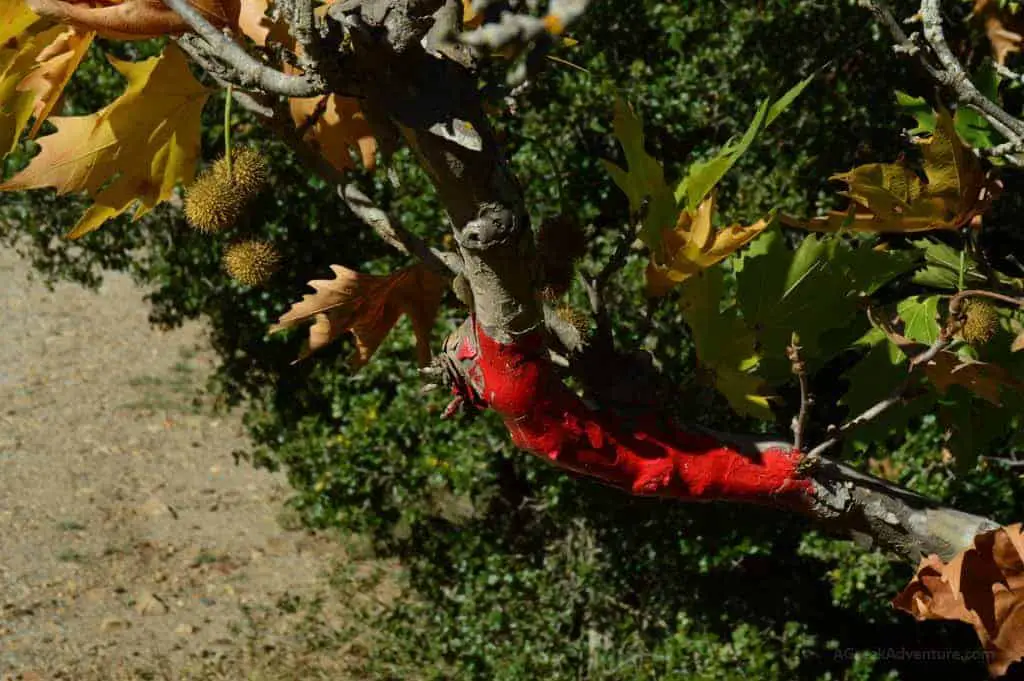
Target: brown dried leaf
<point>889,197</point>
<point>948,369</point>
<point>982,586</point>
<point>338,128</point>
<point>260,28</point>
<point>132,19</point>
<point>1000,26</point>
<point>368,306</point>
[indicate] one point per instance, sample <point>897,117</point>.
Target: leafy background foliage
<point>515,570</point>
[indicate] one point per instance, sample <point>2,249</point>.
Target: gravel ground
<point>131,544</point>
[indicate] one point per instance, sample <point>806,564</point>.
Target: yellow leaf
<point>890,197</point>
<point>695,245</point>
<point>15,19</point>
<point>16,104</point>
<point>57,63</point>
<point>135,149</point>
<point>368,306</point>
<point>470,19</point>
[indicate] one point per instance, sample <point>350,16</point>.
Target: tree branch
<point>242,69</point>
<point>947,71</point>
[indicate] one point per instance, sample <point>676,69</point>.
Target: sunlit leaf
<point>134,150</point>
<point>643,180</point>
<point>368,306</point>
<point>891,198</point>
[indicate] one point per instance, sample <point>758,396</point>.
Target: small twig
<point>956,302</point>
<point>897,396</point>
<point>228,96</point>
<point>246,71</point>
<point>1008,462</point>
<point>519,30</point>
<point>799,368</point>
<point>443,262</point>
<point>947,71</point>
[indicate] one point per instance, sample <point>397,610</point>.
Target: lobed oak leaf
<point>982,586</point>
<point>694,245</point>
<point>1001,27</point>
<point>368,306</point>
<point>890,197</point>
<point>336,129</point>
<point>133,150</point>
<point>133,19</point>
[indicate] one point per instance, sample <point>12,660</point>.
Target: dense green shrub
<point>518,571</point>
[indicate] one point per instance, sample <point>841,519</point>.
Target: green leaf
<point>703,176</point>
<point>942,267</point>
<point>725,346</point>
<point>813,290</point>
<point>786,100</point>
<point>643,180</point>
<point>971,126</point>
<point>920,317</point>
<point>918,109</point>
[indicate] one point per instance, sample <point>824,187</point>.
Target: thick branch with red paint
<point>648,456</point>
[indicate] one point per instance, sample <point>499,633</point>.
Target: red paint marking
<point>647,458</point>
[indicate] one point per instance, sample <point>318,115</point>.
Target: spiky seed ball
<point>251,262</point>
<point>211,203</point>
<point>575,318</point>
<point>248,172</point>
<point>217,198</point>
<point>981,320</point>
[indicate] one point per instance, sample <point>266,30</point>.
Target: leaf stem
<point>227,128</point>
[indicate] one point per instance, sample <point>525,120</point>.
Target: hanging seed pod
<point>981,320</point>
<point>251,262</point>
<point>217,198</point>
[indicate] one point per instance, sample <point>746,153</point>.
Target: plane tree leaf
<point>368,306</point>
<point>56,64</point>
<point>135,149</point>
<point>982,586</point>
<point>891,197</point>
<point>18,59</point>
<point>642,180</point>
<point>725,346</point>
<point>818,287</point>
<point>336,129</point>
<point>694,245</point>
<point>702,177</point>
<point>133,19</point>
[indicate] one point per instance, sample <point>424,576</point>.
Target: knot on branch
<point>495,225</point>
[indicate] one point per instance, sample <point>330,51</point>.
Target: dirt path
<point>131,545</point>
